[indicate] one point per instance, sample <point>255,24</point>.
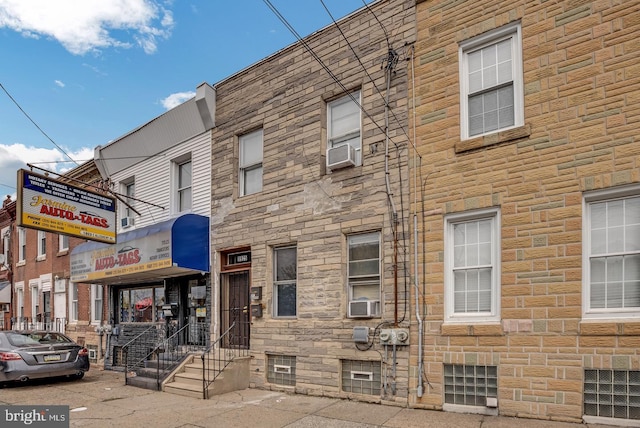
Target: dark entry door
<point>235,309</point>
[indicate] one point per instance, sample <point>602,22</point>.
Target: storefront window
<point>141,304</point>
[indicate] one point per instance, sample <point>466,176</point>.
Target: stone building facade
<point>526,122</point>
<point>310,209</point>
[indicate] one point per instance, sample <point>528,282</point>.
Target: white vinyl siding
<point>153,180</point>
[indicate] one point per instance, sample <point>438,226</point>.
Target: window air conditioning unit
<point>364,308</point>
<point>127,222</point>
<point>341,157</point>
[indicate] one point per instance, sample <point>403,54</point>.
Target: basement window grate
<point>470,385</point>
<point>281,369</point>
<point>612,393</point>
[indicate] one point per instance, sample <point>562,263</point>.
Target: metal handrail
<point>166,354</point>
<point>125,352</point>
<point>126,345</point>
<point>215,359</point>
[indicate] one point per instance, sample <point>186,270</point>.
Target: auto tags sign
<point>53,206</point>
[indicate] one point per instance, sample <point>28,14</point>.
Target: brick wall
<point>581,100</point>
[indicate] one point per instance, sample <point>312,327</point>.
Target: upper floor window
<point>96,303</point>
<point>6,240</point>
<point>344,124</point>
<point>491,80</point>
<point>363,271</point>
<point>63,243</point>
<point>285,272</point>
<point>611,265</point>
<point>472,272</point>
<point>251,162</point>
<point>42,245</point>
<point>22,244</point>
<point>128,188</point>
<point>182,199</point>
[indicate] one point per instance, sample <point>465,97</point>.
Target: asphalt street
<point>102,399</point>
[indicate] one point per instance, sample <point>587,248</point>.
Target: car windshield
<point>48,337</point>
<point>20,340</point>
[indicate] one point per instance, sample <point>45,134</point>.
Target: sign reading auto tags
<point>53,206</point>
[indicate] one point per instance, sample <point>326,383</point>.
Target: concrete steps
<point>187,379</point>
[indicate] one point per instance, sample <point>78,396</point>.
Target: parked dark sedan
<point>28,355</point>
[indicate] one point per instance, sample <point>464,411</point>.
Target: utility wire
<point>389,49</point>
<point>322,64</point>
<point>36,125</point>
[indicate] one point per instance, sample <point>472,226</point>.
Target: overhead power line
<point>322,64</point>
<point>36,125</point>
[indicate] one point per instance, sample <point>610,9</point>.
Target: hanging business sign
<point>144,254</point>
<point>53,206</point>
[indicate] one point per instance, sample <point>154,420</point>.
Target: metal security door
<point>235,309</point>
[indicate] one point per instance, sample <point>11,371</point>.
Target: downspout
<point>420,390</point>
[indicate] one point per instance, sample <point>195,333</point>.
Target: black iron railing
<point>136,351</point>
<point>219,355</point>
<point>159,360</point>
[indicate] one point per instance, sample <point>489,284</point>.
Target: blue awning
<point>178,246</point>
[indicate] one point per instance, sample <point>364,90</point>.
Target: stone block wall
<point>581,109</point>
<point>304,204</point>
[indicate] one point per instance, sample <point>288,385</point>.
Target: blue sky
<point>88,71</point>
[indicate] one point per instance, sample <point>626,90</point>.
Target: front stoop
<point>187,379</point>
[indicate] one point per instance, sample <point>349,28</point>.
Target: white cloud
<point>176,99</point>
<point>88,25</point>
<point>16,156</point>
<point>59,83</point>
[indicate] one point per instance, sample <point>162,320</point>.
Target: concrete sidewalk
<point>102,400</point>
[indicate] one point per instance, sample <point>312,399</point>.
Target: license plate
<point>48,358</point>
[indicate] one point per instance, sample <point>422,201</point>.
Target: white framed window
<point>63,243</point>
<point>363,270</point>
<point>472,267</point>
<point>611,254</point>
<point>184,186</point>
<point>285,273</point>
<point>73,302</point>
<point>491,82</point>
<point>344,121</point>
<point>42,245</point>
<point>22,245</point>
<point>128,189</point>
<point>35,299</point>
<point>250,162</point>
<point>96,303</point>
<point>5,236</point>
<point>20,299</point>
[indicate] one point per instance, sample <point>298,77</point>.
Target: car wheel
<point>79,375</point>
